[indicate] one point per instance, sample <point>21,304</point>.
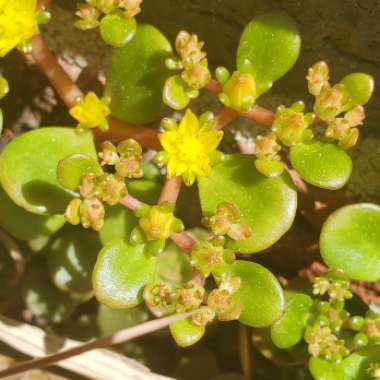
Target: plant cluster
<point>52,176</point>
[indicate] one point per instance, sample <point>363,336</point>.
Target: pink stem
<point>170,190</point>
<point>131,202</point>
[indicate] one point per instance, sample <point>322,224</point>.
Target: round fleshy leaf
<point>356,365</point>
<point>359,87</point>
<point>116,29</point>
<point>136,76</point>
<point>323,370</point>
<point>350,241</point>
<point>71,169</point>
<point>268,48</point>
<point>260,294</point>
<point>28,167</point>
<point>121,272</point>
<point>186,333</point>
<point>290,328</point>
<point>24,225</point>
<point>324,165</point>
<point>42,298</point>
<point>267,205</point>
<point>112,320</point>
<point>174,94</point>
<point>173,265</point>
<point>71,258</point>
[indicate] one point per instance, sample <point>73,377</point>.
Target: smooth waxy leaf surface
<point>267,205</point>
<point>323,370</point>
<point>24,225</point>
<point>174,94</point>
<point>320,164</point>
<point>116,29</point>
<point>42,298</point>
<point>289,329</point>
<point>121,272</point>
<point>350,240</point>
<point>268,48</point>
<point>185,333</point>
<point>359,87</point>
<point>71,169</point>
<point>355,366</point>
<point>71,258</point>
<point>136,76</point>
<point>111,320</point>
<point>260,294</point>
<point>28,167</point>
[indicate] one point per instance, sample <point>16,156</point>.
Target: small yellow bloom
<point>188,148</point>
<point>91,112</point>
<point>18,23</point>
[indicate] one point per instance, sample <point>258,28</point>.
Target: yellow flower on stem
<point>18,23</point>
<point>91,112</point>
<point>188,148</point>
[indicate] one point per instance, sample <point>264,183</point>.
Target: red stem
<point>170,190</point>
<point>130,202</point>
<point>224,117</point>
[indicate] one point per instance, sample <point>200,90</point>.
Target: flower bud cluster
<point>109,188</point>
<point>90,11</point>
<point>156,224</point>
<point>226,221</point>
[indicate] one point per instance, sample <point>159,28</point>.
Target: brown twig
<point>116,338</point>
<point>245,351</point>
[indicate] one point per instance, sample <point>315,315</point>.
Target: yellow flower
<point>91,112</point>
<point>188,148</point>
<point>18,23</point>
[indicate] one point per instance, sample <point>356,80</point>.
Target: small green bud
<point>239,92</point>
<point>222,75</point>
<point>111,188</point>
<point>206,257</point>
<point>360,340</point>
<point>72,213</point>
<point>169,124</point>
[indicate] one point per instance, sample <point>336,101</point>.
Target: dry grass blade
<point>86,359</point>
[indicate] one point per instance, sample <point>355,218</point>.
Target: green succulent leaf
<point>116,29</point>
<point>42,298</point>
<point>71,169</point>
<point>28,167</point>
<point>323,165</point>
<point>111,320</point>
<point>323,370</point>
<point>185,333</point>
<point>136,76</point>
<point>173,266</point>
<point>24,225</point>
<point>355,366</point>
<point>290,328</point>
<point>71,258</point>
<point>267,205</point>
<point>174,94</point>
<point>121,272</point>
<point>359,87</point>
<point>268,48</point>
<point>260,294</point>
<point>350,241</point>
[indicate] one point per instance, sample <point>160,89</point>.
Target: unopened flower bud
<point>203,316</point>
<point>92,213</point>
<point>72,213</point>
<point>108,154</point>
<point>356,116</point>
<point>330,102</point>
<point>89,186</point>
<point>112,188</point>
<point>189,48</point>
<point>130,7</point>
<point>88,17</point>
<point>189,297</point>
<point>318,77</point>
<point>224,305</point>
<point>206,257</point>
<point>160,298</point>
<point>239,92</point>
<point>197,75</point>
<point>129,167</point>
<point>129,147</point>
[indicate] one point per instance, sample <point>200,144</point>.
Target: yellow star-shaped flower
<point>188,148</point>
<point>91,112</point>
<point>18,23</point>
